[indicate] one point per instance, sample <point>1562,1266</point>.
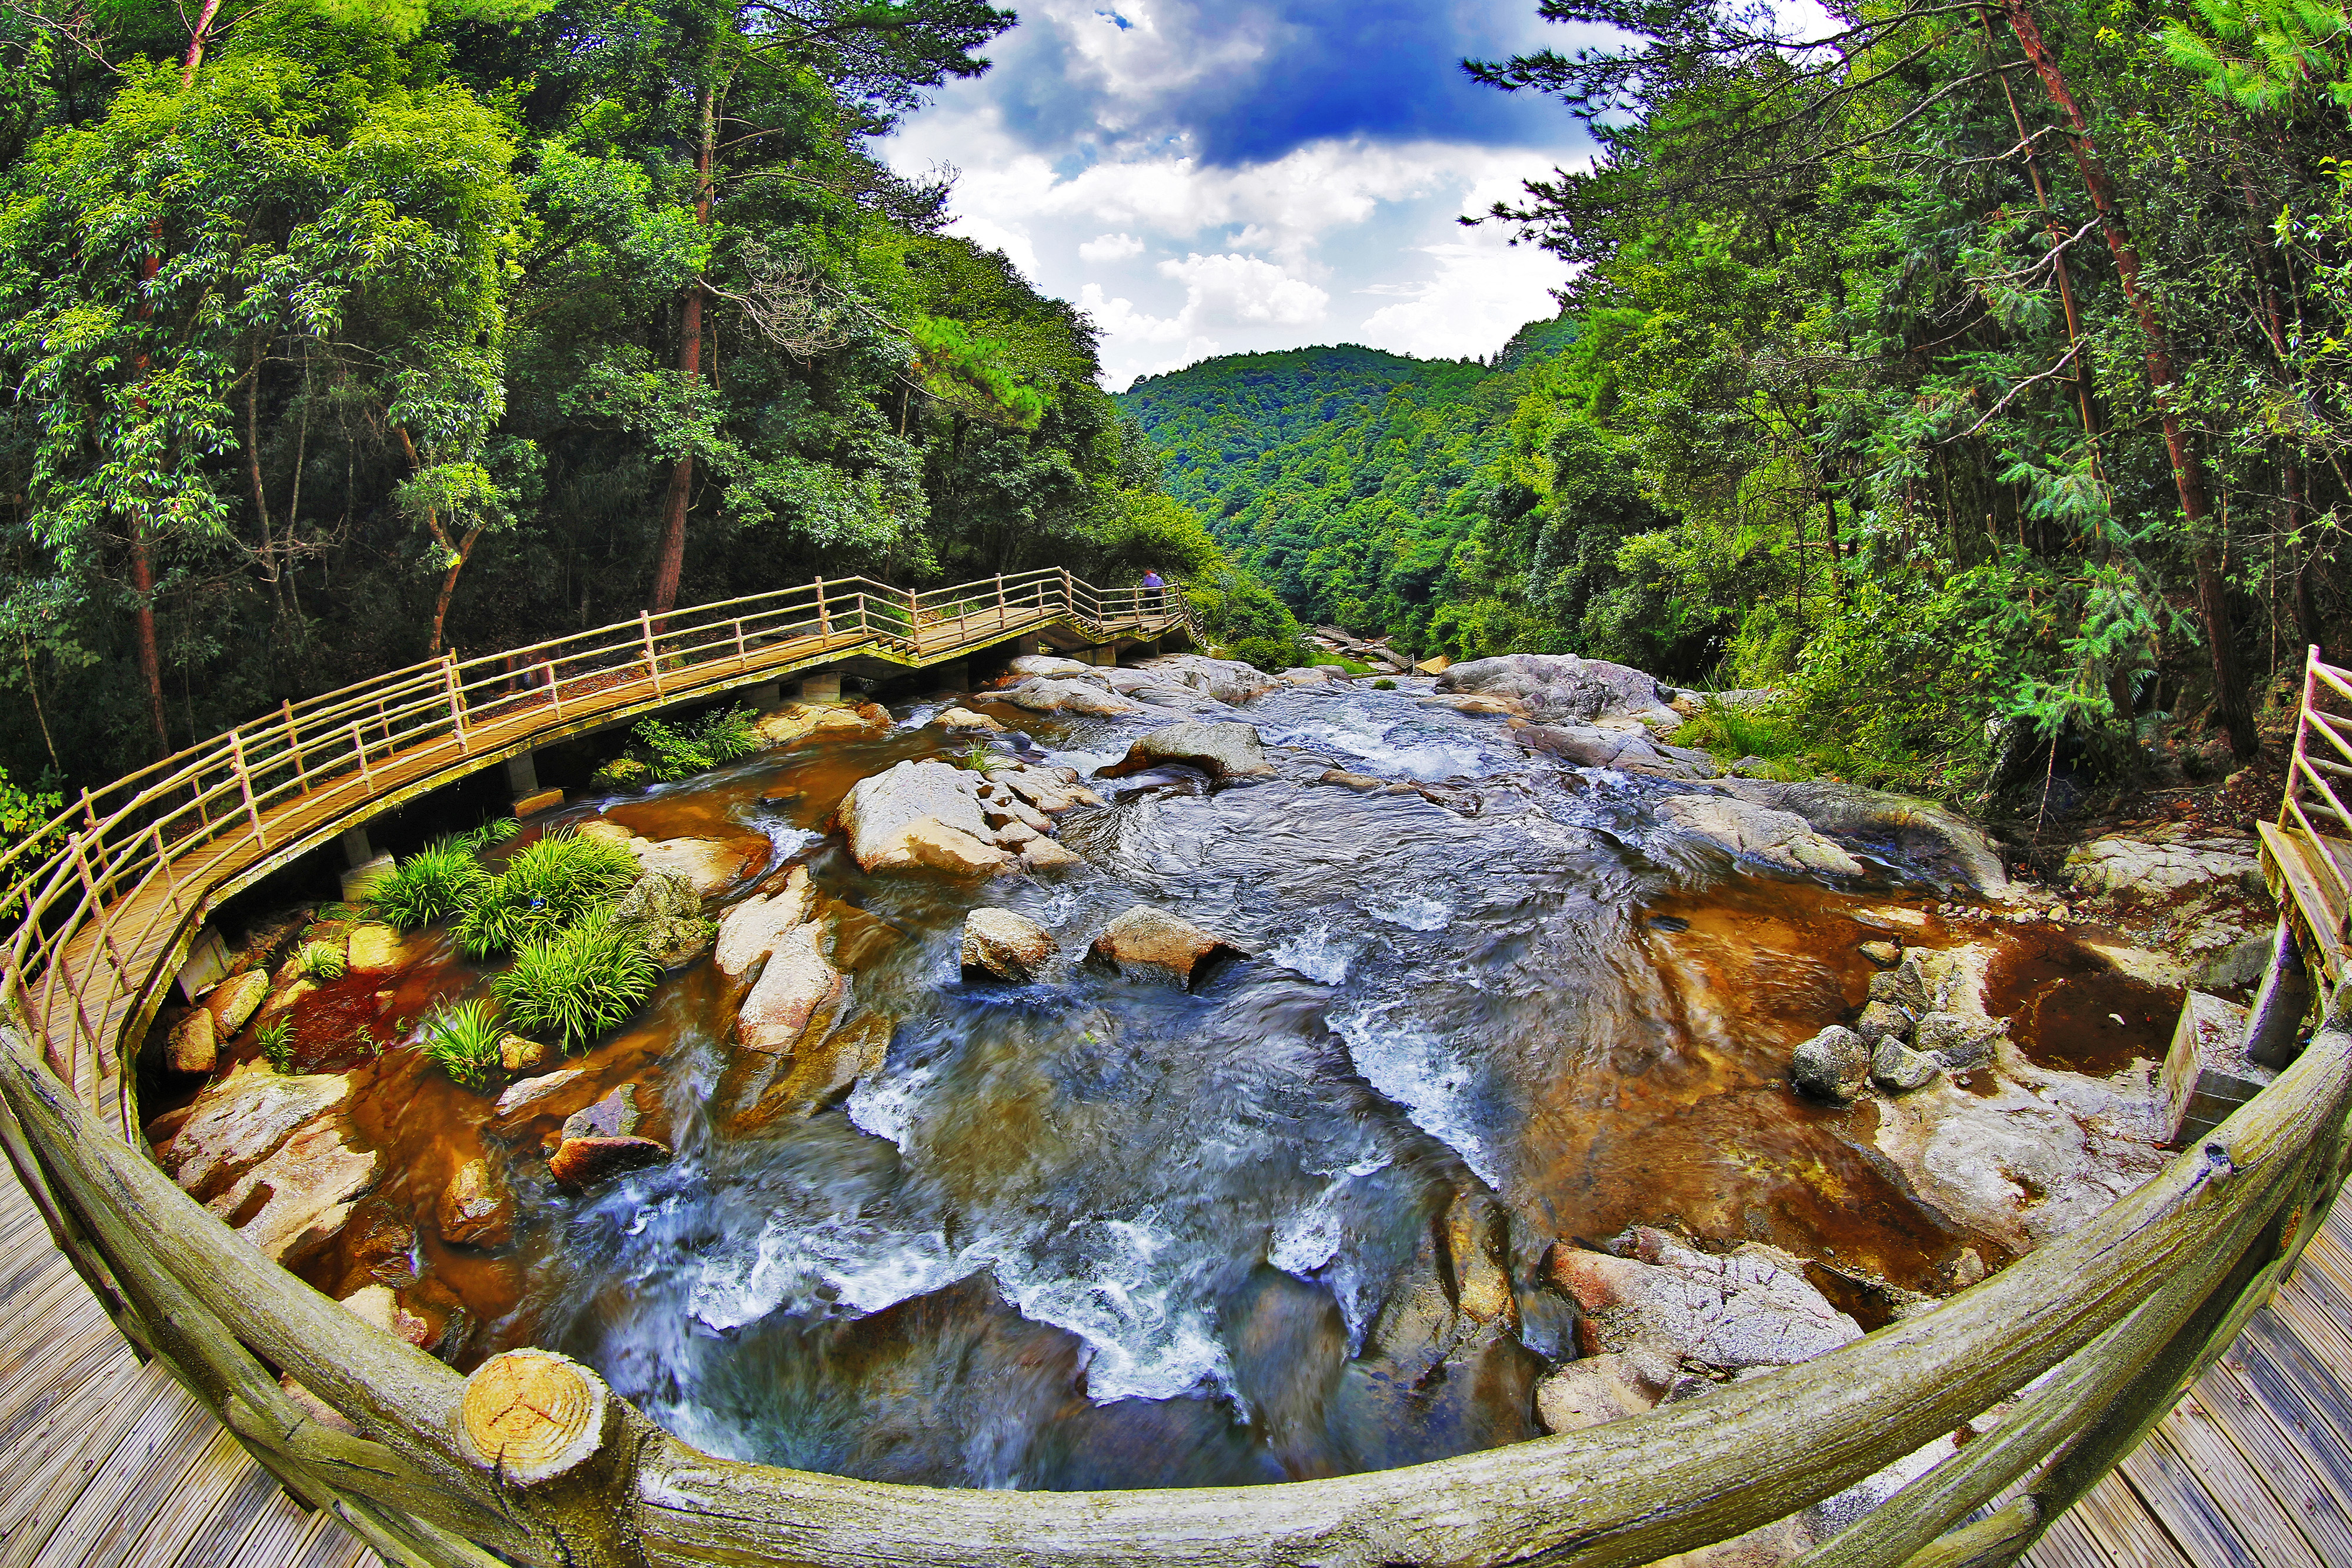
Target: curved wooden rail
<point>106,898</point>
<point>2077,1349</point>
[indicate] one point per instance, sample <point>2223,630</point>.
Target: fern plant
<point>323,962</point>
<point>578,982</point>
<point>683,751</point>
<point>463,1040</point>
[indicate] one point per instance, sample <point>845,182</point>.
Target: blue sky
<point>1215,178</point>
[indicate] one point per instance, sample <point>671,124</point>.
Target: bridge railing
<point>156,843</point>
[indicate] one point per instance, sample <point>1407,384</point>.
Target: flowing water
<point>1092,1232</point>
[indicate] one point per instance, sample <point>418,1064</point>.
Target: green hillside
<point>1352,480</point>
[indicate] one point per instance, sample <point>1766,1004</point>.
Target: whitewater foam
<point>1405,1060</point>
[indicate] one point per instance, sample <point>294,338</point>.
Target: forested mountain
<point>1348,479</point>
<point>1980,377</point>
<point>336,335</point>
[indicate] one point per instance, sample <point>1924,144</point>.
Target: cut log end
<point>530,1415</point>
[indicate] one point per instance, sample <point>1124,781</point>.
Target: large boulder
<point>294,1201</point>
<point>797,982</point>
<point>1779,839</point>
<point>235,999</point>
<point>708,865</point>
<point>242,1120</point>
<point>999,945</point>
<point>665,911</point>
<point>1751,1307</point>
<point>1052,790</point>
<point>1560,688</point>
<point>1153,944</point>
<point>1923,833</point>
<point>1052,666</point>
<point>748,932</point>
<point>2135,869</point>
<point>1087,697</point>
<point>963,721</point>
<point>193,1048</point>
<point>797,721</point>
<point>379,949</point>
<point>1625,750</point>
<point>1833,1065</point>
<point>921,816</point>
<point>1223,751</point>
<point>1223,680</point>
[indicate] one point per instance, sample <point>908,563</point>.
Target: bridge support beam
<point>766,695</point>
<point>2274,1026</point>
<point>357,850</point>
<point>523,774</point>
<point>953,677</point>
<point>821,687</point>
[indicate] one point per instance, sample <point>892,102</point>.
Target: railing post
<point>1003,615</point>
<point>1069,597</point>
<point>741,656</point>
<point>824,625</point>
<point>89,811</point>
<point>294,745</point>
<point>244,787</point>
<point>554,687</point>
<point>359,745</point>
<point>171,882</point>
<point>914,620</point>
<point>653,664</point>
<point>456,699</point>
<point>90,890</point>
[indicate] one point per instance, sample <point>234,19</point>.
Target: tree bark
<point>459,552</point>
<point>669,556</point>
<point>2188,470</point>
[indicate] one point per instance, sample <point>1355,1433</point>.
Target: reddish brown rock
<point>193,1046</point>
<point>583,1162</point>
<point>296,1201</point>
<point>475,1209</point>
<point>1151,944</point>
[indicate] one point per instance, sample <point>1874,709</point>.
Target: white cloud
<point>1242,289</point>
<point>1484,291</point>
<point>1110,247</point>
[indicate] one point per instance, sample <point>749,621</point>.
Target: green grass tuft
<point>277,1039</point>
<point>684,751</point>
<point>577,983</point>
<point>463,1040</point>
<point>550,883</point>
<point>435,883</point>
<point>321,961</point>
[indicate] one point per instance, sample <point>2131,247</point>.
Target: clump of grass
<point>277,1041</point>
<point>1733,733</point>
<point>463,1040</point>
<point>683,751</point>
<point>497,831</point>
<point>435,883</point>
<point>550,883</point>
<point>577,983</point>
<point>980,757</point>
<point>1384,685</point>
<point>323,962</point>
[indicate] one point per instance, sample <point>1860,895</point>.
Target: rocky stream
<point>1178,1075</point>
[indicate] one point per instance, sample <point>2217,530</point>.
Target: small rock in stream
<point>1833,1065</point>
<point>1002,945</point>
<point>580,1163</point>
<point>517,1054</point>
<point>1881,1021</point>
<point>1956,1042</point>
<point>613,1116</point>
<point>194,1048</point>
<point>1885,955</point>
<point>475,1209</point>
<point>1151,944</point>
<point>520,1097</point>
<point>1898,1068</point>
<point>235,999</point>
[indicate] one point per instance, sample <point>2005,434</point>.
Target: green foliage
<point>672,753</point>
<point>979,756</point>
<point>2261,53</point>
<point>276,1039</point>
<point>323,962</point>
<point>440,880</point>
<point>622,773</point>
<point>1384,685</point>
<point>548,883</point>
<point>462,1039</point>
<point>577,983</point>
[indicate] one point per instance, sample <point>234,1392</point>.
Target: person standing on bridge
<point>1155,590</point>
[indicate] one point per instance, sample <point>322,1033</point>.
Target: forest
<point>340,333</point>
<point>1975,375</point>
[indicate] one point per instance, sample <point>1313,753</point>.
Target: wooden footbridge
<point>2173,1383</point>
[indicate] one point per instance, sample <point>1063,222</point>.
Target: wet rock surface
<point>999,944</point>
<point>1152,945</point>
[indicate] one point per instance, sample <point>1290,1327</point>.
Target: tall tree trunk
<point>669,558</point>
<point>2188,470</point>
<point>458,553</point>
<point>143,564</point>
